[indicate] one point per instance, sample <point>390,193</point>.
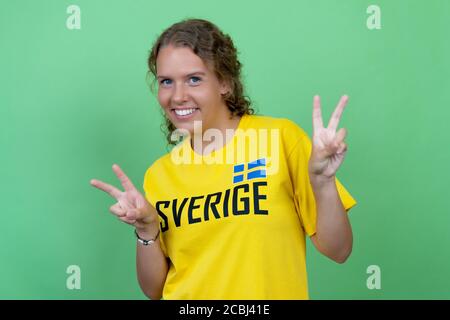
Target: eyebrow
<point>188,75</point>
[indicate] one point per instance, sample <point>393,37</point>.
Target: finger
<point>336,116</point>
<point>340,135</point>
<point>317,114</point>
<point>338,140</point>
<point>112,191</point>
<point>124,180</point>
<point>342,148</point>
<point>134,214</point>
<point>118,210</point>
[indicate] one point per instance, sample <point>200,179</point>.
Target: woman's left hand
<point>328,146</point>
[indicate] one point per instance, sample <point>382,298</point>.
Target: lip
<point>185,117</point>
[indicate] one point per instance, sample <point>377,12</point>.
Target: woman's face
<point>188,90</point>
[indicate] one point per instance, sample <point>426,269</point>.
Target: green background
<point>73,102</point>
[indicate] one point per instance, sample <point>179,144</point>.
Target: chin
<point>186,127</point>
<point>184,123</point>
<point>183,128</point>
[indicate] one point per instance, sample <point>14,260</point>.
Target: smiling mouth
<point>185,112</point>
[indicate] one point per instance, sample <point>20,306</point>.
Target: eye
<point>195,80</point>
<point>165,82</point>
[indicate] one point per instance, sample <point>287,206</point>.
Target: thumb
<point>133,214</point>
<point>341,134</point>
<point>137,214</point>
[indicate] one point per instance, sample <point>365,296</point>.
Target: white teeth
<point>184,112</point>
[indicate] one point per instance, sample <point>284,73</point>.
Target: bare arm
<point>151,264</point>
<point>133,209</point>
<point>333,236</point>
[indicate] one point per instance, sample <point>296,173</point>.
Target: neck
<point>224,126</point>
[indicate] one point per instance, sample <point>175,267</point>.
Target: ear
<point>224,88</point>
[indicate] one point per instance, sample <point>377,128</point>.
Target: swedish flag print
<point>255,169</point>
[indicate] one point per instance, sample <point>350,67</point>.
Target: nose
<point>179,94</point>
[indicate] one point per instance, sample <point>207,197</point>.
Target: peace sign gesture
<point>329,148</point>
<point>131,206</point>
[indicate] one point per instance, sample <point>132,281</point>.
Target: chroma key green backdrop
<point>75,101</point>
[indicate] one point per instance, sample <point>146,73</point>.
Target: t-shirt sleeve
<point>305,204</point>
<point>149,195</point>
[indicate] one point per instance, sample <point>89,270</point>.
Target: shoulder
<point>156,166</point>
<point>165,163</point>
<point>291,135</point>
<point>289,129</point>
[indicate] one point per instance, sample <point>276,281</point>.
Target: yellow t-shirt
<point>234,223</point>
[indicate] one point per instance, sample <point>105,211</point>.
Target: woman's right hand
<point>131,207</point>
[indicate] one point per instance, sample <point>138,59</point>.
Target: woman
<point>226,212</point>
